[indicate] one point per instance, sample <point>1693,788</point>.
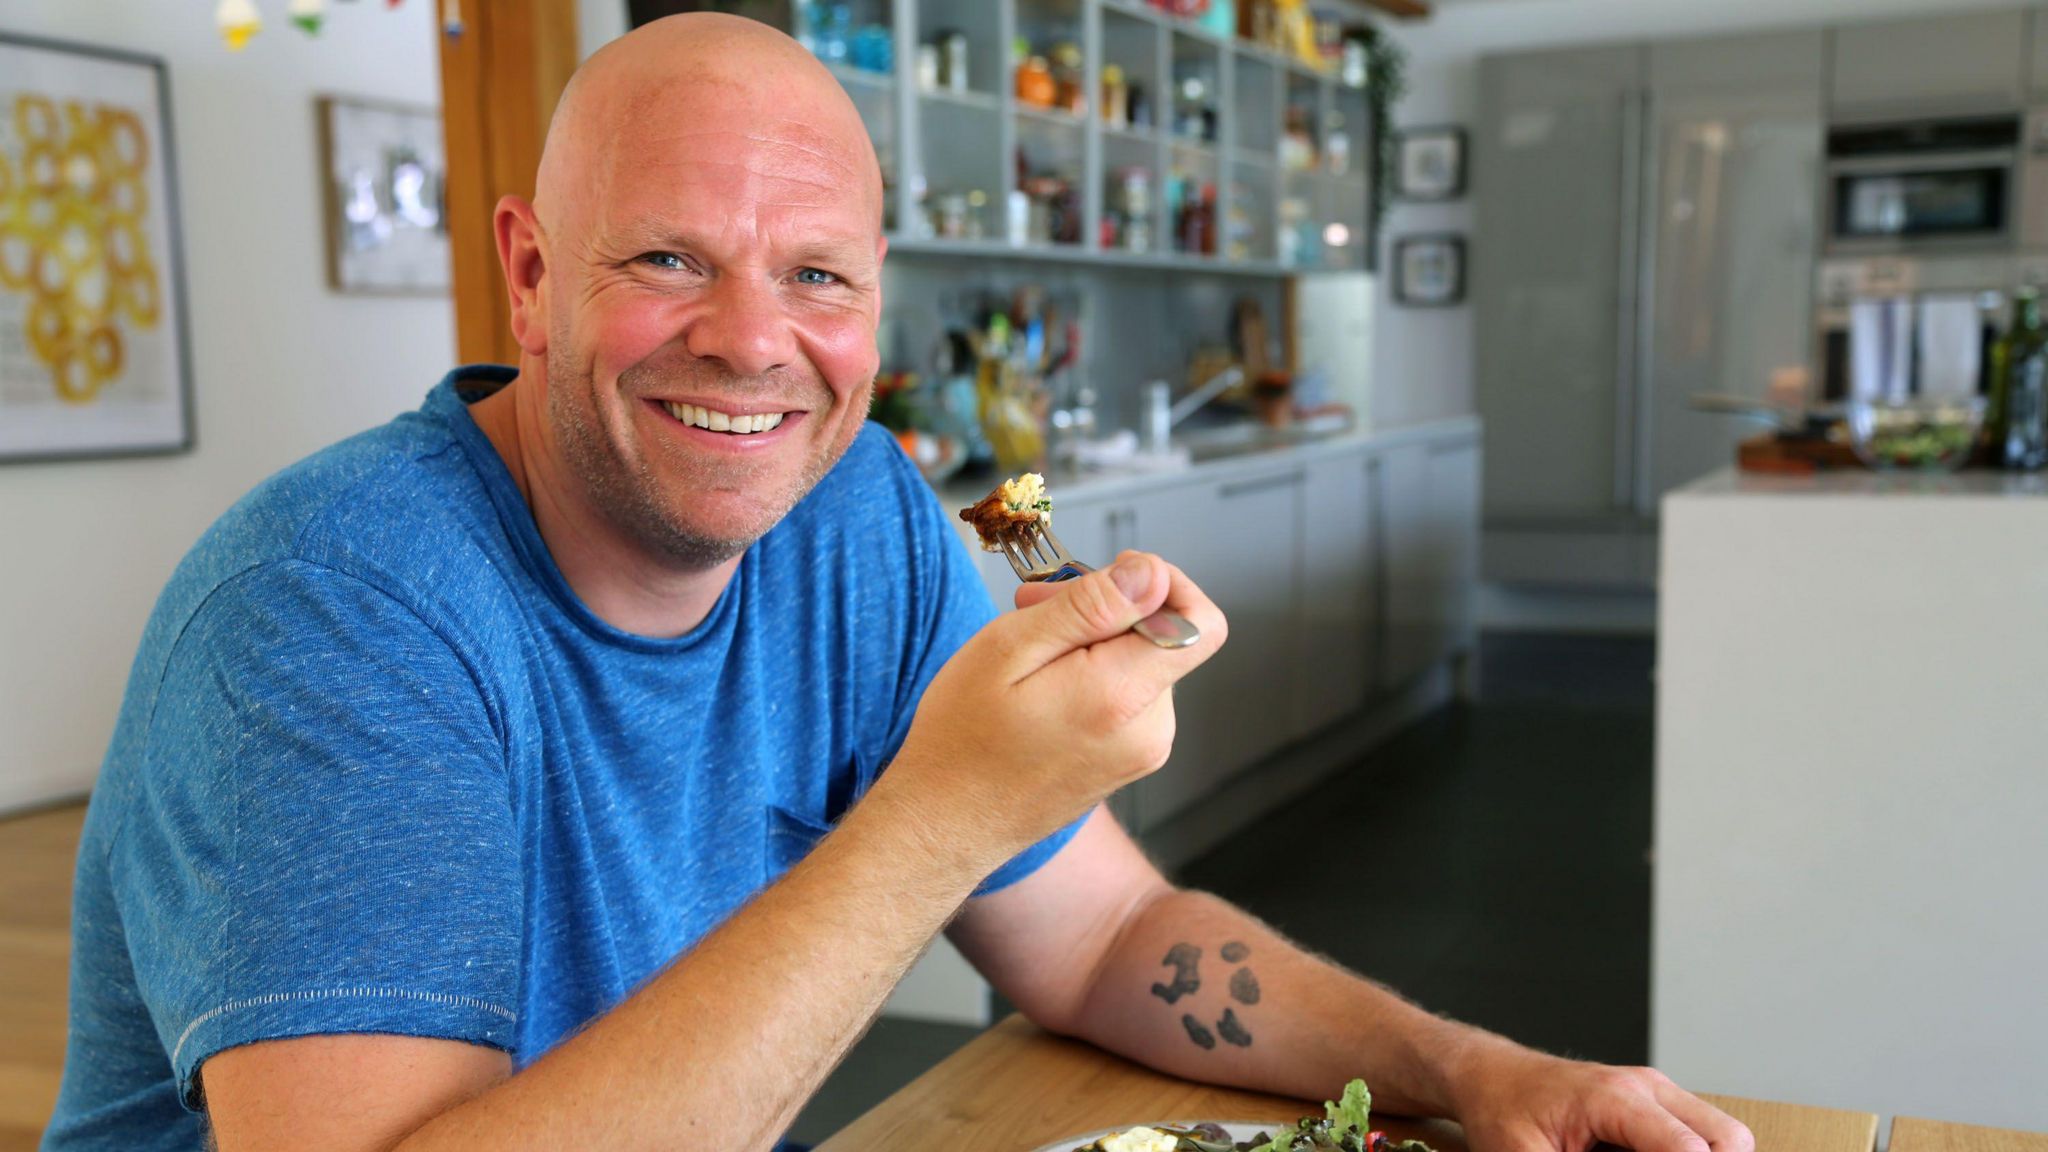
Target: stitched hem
<point>357,993</point>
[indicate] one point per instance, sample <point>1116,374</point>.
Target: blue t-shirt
<point>379,770</point>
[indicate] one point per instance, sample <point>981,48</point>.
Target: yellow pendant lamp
<point>237,20</point>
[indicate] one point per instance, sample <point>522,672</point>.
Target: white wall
<point>1422,358</point>
<point>599,22</point>
<point>281,365</point>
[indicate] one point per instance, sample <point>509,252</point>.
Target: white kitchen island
<point>1851,895</point>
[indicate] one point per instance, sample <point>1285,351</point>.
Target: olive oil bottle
<point>2016,419</point>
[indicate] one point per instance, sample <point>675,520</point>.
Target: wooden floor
<point>36,853</point>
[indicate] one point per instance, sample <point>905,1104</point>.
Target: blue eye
<point>815,276</point>
<point>668,260</point>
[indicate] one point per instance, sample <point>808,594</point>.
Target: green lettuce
<point>1354,1109</point>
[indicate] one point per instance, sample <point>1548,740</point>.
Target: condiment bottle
<point>1115,97</point>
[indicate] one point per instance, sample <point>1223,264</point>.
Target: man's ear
<point>522,254</point>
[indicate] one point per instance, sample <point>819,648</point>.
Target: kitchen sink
<point>1221,440</point>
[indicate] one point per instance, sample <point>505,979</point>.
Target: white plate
<point>1238,1129</point>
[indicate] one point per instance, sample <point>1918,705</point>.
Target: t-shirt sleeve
<point>327,842</point>
<point>960,607</point>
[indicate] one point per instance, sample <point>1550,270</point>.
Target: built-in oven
<point>1922,186</point>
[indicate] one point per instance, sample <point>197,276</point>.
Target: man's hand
<point>1511,1099</point>
<point>1052,707</point>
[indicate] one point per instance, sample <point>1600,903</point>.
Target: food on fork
<point>1014,502</point>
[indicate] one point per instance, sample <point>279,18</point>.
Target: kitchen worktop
<point>1069,484</point>
<point>1980,483</point>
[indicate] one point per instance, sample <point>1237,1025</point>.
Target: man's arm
<point>1099,946</point>
<point>723,1047</point>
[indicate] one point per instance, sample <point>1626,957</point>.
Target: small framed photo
<point>94,355</point>
<point>386,187</point>
<point>1429,271</point>
<point>1432,164</point>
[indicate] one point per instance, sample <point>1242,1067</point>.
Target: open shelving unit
<point>941,147</point>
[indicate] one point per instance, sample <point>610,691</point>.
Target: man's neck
<point>614,576</point>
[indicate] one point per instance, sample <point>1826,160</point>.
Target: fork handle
<point>1165,629</point>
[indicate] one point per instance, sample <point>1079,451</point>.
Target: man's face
<point>727,277</point>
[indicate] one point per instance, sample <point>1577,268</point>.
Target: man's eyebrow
<point>843,250</point>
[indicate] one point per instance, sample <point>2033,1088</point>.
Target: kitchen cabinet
<point>953,154</point>
<point>1338,639</point>
<point>1650,233</point>
<point>1240,539</point>
<point>2037,59</point>
<point>1429,502</point>
<point>1780,61</point>
<point>1954,64</point>
<point>1560,137</point>
<point>1733,200</point>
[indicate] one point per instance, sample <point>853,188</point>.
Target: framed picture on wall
<point>1431,164</point>
<point>386,180</point>
<point>1429,271</point>
<point>94,351</point>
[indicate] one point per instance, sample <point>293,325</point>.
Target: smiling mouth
<point>712,420</point>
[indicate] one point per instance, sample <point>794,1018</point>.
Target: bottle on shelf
<point>2020,385</point>
<point>1298,143</point>
<point>1198,221</point>
<point>1116,106</point>
<point>953,60</point>
<point>1070,90</point>
<point>1337,146</point>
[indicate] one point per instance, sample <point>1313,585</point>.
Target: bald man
<point>511,776</point>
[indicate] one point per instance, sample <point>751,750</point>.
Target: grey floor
<point>1492,867</point>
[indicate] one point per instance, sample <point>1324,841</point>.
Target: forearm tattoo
<point>1186,959</point>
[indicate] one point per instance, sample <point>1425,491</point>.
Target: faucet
<point>1163,413</point>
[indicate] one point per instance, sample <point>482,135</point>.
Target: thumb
<point>1054,619</point>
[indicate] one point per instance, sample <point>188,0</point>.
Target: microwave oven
<point>1924,185</point>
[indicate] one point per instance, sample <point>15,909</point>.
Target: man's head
<point>704,243</point>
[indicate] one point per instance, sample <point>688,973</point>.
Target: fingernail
<point>1133,577</point>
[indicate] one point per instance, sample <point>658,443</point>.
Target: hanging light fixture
<point>308,15</point>
<point>237,20</point>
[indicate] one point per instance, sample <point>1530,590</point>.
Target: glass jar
<point>1035,85</point>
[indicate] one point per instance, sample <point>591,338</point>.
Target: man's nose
<point>743,325</point>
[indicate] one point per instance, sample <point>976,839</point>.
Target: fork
<point>1038,557</point>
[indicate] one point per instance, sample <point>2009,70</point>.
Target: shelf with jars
<point>1119,132</point>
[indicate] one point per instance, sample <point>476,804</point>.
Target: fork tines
<point>1033,552</point>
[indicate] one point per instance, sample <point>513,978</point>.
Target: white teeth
<point>716,421</point>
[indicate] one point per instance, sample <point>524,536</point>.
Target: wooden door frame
<point>500,78</point>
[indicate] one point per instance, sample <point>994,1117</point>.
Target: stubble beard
<point>626,490</point>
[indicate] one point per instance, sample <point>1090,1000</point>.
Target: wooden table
<point>1016,1087</point>
<point>1911,1135</point>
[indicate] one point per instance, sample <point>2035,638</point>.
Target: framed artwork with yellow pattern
<point>94,352</point>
